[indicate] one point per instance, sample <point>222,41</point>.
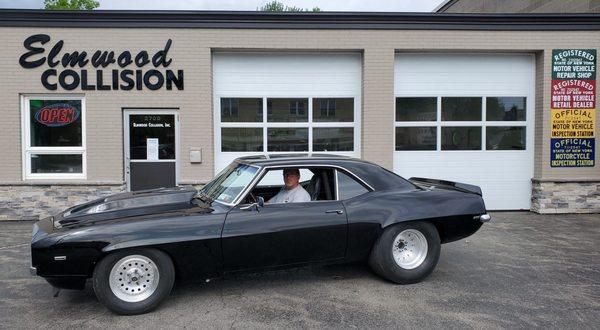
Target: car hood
<point>132,204</point>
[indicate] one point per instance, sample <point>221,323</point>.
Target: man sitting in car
<point>292,192</point>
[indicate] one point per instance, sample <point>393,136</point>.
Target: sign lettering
<point>55,115</point>
<point>65,69</point>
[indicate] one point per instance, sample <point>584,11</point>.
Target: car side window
<point>318,182</point>
<point>348,187</point>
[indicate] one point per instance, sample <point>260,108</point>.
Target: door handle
<point>335,211</point>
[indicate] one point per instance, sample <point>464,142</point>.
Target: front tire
<point>133,281</point>
<point>406,252</point>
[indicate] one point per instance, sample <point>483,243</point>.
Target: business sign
<point>55,115</point>
<point>573,108</point>
<point>573,94</point>
<point>574,64</point>
<point>572,152</point>
<point>124,70</point>
<point>573,123</point>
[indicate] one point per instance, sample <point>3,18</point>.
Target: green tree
<point>276,6</point>
<point>71,4</point>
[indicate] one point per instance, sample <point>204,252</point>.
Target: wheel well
<point>454,228</point>
<point>449,228</point>
<point>107,253</point>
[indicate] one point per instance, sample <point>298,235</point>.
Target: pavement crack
<point>13,246</point>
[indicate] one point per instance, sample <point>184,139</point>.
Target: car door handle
<point>335,211</point>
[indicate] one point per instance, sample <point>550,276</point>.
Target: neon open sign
<point>55,115</point>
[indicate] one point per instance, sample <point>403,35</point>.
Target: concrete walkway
<point>522,270</point>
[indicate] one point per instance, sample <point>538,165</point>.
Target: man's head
<point>291,177</point>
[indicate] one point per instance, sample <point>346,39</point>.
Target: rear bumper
<point>483,218</point>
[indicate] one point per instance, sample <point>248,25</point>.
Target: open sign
<point>55,115</point>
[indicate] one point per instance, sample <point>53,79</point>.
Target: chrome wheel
<point>409,249</point>
<point>134,278</point>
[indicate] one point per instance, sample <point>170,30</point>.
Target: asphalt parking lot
<point>521,270</point>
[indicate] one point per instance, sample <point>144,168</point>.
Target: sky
<point>325,5</point>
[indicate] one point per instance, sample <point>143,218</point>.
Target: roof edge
<point>304,20</point>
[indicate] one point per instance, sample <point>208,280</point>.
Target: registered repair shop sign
<point>573,108</point>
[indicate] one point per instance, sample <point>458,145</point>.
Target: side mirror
<point>260,202</point>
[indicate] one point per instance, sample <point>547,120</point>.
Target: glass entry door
<point>151,138</point>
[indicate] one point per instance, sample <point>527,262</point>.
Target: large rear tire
<point>406,252</point>
<point>133,281</point>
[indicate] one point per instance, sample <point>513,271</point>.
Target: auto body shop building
<point>108,101</point>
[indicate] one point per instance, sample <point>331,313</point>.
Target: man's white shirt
<point>296,195</point>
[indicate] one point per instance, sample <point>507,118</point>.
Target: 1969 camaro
<point>134,245</point>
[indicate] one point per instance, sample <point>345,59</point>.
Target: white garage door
<point>467,118</point>
<point>286,103</point>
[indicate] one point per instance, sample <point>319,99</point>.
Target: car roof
<point>374,175</point>
<point>289,159</point>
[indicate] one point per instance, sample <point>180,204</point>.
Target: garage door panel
<point>472,74</point>
<point>308,76</point>
<point>502,187</point>
<point>504,175</point>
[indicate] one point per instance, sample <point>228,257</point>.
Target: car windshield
<point>229,183</point>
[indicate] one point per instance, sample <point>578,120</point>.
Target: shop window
<point>416,138</point>
<point>416,108</point>
<point>505,108</point>
<point>241,139</point>
<point>287,110</point>
<point>333,139</point>
<point>461,108</point>
<point>461,138</point>
<point>417,125</point>
<point>505,138</point>
<point>290,124</point>
<point>287,139</point>
<point>241,109</point>
<point>333,109</point>
<point>54,135</point>
<point>157,126</point>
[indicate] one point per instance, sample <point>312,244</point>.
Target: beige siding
<point>191,51</point>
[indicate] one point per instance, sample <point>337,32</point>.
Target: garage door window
<point>287,124</point>
<point>287,110</point>
<point>461,138</point>
<point>461,108</point>
<point>416,109</point>
<point>333,110</point>
<point>53,129</point>
<point>460,123</point>
<point>241,110</point>
<point>505,108</point>
<point>241,139</point>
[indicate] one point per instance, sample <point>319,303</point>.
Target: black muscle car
<point>133,245</point>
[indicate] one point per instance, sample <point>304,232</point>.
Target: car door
<point>282,234</point>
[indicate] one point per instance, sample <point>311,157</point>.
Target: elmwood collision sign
<point>111,72</point>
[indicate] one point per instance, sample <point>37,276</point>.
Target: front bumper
<point>483,218</point>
